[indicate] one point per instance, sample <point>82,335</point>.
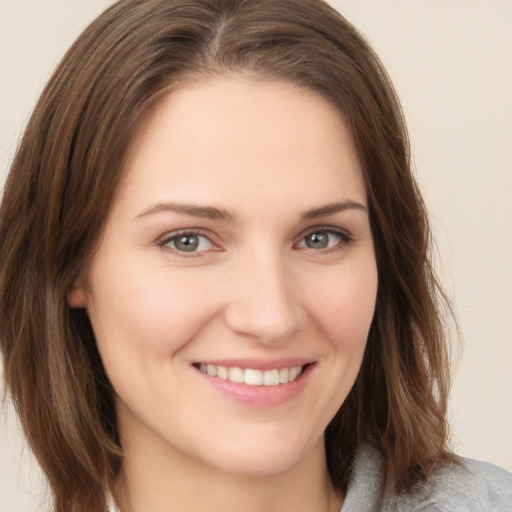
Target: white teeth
<point>271,378</point>
<point>252,377</point>
<point>284,374</point>
<point>211,369</point>
<point>236,375</point>
<point>222,372</point>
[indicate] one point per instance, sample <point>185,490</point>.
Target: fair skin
<point>238,240</point>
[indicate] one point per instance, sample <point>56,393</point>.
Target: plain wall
<point>451,62</point>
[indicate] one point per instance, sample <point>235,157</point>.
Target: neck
<point>178,482</point>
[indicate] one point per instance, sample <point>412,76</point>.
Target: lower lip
<point>260,395</point>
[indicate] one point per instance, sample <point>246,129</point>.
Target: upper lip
<point>259,364</point>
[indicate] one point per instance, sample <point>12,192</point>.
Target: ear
<point>77,298</point>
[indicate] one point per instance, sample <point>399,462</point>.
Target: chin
<point>260,457</point>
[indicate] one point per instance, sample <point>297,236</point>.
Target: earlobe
<point>77,297</point>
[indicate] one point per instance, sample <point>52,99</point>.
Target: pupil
<point>317,240</point>
<point>187,243</point>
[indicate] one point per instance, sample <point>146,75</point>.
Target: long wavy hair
<point>61,184</point>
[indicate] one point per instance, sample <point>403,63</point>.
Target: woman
<point>215,282</point>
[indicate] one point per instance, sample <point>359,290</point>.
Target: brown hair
<point>60,187</point>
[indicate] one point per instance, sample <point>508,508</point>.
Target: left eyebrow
<point>333,208</point>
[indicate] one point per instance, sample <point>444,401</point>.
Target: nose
<point>265,304</point>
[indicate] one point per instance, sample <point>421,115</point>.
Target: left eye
<point>323,239</point>
<point>188,242</point>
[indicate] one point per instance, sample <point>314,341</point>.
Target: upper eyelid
<point>164,241</point>
<point>345,239</point>
<point>169,235</point>
<point>328,229</point>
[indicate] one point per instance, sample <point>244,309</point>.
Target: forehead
<point>230,138</point>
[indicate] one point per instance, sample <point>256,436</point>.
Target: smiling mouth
<point>251,376</point>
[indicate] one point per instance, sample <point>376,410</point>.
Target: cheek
<point>344,306</point>
<point>151,311</point>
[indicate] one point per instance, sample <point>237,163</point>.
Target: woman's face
<point>238,244</point>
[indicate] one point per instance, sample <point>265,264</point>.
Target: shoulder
<point>468,486</point>
<point>471,485</point>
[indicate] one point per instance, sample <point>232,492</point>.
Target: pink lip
<point>260,396</point>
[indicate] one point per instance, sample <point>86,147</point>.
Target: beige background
<point>451,61</point>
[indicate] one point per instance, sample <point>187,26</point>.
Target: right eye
<point>187,242</point>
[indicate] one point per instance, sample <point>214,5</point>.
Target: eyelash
<point>175,235</point>
<point>163,242</point>
<point>345,238</point>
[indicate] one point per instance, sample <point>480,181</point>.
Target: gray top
<point>473,486</point>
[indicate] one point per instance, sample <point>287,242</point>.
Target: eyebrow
<point>331,209</point>
<point>214,213</point>
<point>205,212</point>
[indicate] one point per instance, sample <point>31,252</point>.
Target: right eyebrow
<point>205,212</point>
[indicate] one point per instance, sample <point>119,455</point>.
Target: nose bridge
<point>265,304</point>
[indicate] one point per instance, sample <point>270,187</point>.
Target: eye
<point>187,242</point>
<point>322,239</point>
